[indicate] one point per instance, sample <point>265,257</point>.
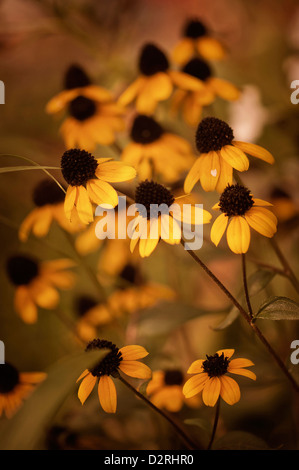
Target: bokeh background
<point>38,41</point>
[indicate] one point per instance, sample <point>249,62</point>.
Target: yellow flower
<point>36,284</point>
<point>212,380</point>
<point>197,40</point>
<point>191,103</point>
<point>237,203</point>
<point>15,387</point>
<point>152,149</point>
<point>124,360</point>
<point>88,180</point>
<point>151,225</point>
<point>285,207</point>
<point>48,198</point>
<point>165,390</point>
<point>93,116</point>
<point>155,82</point>
<point>220,153</point>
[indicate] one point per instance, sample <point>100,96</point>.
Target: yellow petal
<point>70,199</point>
<point>135,369</point>
<point>86,387</point>
<point>101,192</point>
<point>185,81</point>
<point>183,51</point>
<point>210,48</point>
<point>169,398</point>
<point>218,228</point>
<point>24,305</point>
<point>133,352</point>
<point>131,92</point>
<point>239,362</point>
<point>238,235</point>
<point>230,390</point>
<point>196,367</point>
<point>255,151</point>
<point>227,352</point>
<point>244,372</point>
<point>193,176</point>
<point>43,294</point>
<point>262,220</point>
<point>210,170</point>
<point>83,205</point>
<point>225,176</point>
<point>195,385</point>
<point>225,89</point>
<point>159,86</point>
<point>261,202</point>
<point>27,224</point>
<point>235,157</point>
<point>114,172</point>
<point>107,394</point>
<point>192,111</point>
<point>211,391</point>
<point>60,101</point>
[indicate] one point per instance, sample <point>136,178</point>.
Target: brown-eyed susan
<point>155,82</point>
<point>196,39</point>
<point>212,379</point>
<point>156,153</point>
<point>118,360</point>
<point>36,283</point>
<point>15,387</point>
<point>161,216</point>
<point>165,390</point>
<point>219,155</point>
<point>240,212</point>
<point>89,182</point>
<point>48,198</point>
<point>191,103</point>
<point>93,115</point>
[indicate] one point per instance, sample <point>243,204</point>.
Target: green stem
<point>287,268</point>
<point>246,285</point>
<point>216,419</point>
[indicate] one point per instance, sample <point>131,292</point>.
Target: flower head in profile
<point>160,216</point>
<point>197,40</point>
<point>191,103</point>
<point>48,199</point>
<point>155,82</point>
<point>15,387</point>
<point>156,153</point>
<point>125,360</point>
<point>219,154</point>
<point>240,212</point>
<point>165,390</point>
<point>88,180</point>
<point>212,379</point>
<point>93,115</point>
<point>36,283</point>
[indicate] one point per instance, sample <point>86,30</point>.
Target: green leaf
<point>198,422</point>
<point>26,430</point>
<point>278,308</point>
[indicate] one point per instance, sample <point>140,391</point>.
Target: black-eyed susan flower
<point>155,82</point>
<point>125,360</point>
<point>48,198</point>
<point>88,180</point>
<point>196,39</point>
<point>165,390</point>
<point>91,314</point>
<point>210,377</point>
<point>156,153</point>
<point>36,283</point>
<point>15,387</point>
<point>285,207</point>
<point>191,103</point>
<point>160,216</point>
<point>93,115</point>
<point>240,212</point>
<point>219,154</point>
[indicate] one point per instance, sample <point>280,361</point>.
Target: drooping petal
<point>135,369</point>
<point>225,89</point>
<point>255,151</point>
<point>183,51</point>
<point>101,192</point>
<point>193,176</point>
<point>185,81</point>
<point>131,92</point>
<point>70,199</point>
<point>107,394</point>
<point>195,385</point>
<point>43,294</point>
<point>60,101</point>
<point>211,391</point>
<point>24,305</point>
<point>230,390</point>
<point>86,387</point>
<point>238,235</point>
<point>159,86</point>
<point>235,157</point>
<point>115,172</point>
<point>83,205</point>
<point>210,48</point>
<point>225,176</point>
<point>210,170</point>
<point>218,228</point>
<point>133,352</point>
<point>262,220</point>
<point>245,372</point>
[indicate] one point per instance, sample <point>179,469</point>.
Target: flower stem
<point>190,444</point>
<point>246,286</point>
<point>287,268</point>
<point>215,425</point>
<point>246,316</point>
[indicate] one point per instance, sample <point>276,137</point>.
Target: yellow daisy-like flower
<point>151,225</point>
<point>238,205</point>
<point>36,284</point>
<point>88,180</point>
<point>197,40</point>
<point>165,390</point>
<point>15,387</point>
<point>220,153</point>
<point>124,360</point>
<point>212,380</point>
<point>152,149</point>
<point>155,82</point>
<point>191,103</point>
<point>48,198</point>
<point>93,115</point>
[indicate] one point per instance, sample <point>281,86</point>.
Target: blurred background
<point>38,42</point>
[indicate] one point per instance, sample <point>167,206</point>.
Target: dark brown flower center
<point>82,108</point>
<point>194,29</point>
<point>110,363</point>
<point>173,377</point>
<point>216,365</point>
<point>9,378</point>
<point>235,200</point>
<point>145,130</point>
<point>213,134</point>
<point>47,192</point>
<point>198,68</point>
<point>83,304</point>
<point>75,77</point>
<point>151,195</point>
<point>78,166</point>
<point>21,270</point>
<point>152,60</point>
